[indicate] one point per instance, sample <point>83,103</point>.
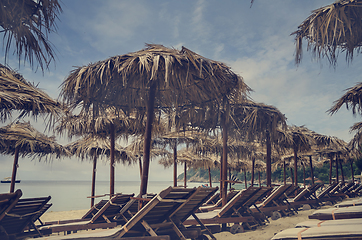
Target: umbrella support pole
<point>252,171</point>
<point>94,179</point>
<point>311,169</point>
<point>284,174</point>
<point>224,159</point>
<point>15,168</point>
<point>295,165</point>
<point>175,165</point>
<point>147,139</point>
<point>352,172</point>
<point>268,159</point>
<point>111,185</point>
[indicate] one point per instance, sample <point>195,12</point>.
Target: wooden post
<point>295,164</point>
<point>246,183</point>
<point>224,159</point>
<point>291,175</point>
<point>229,179</point>
<point>330,168</point>
<point>303,175</point>
<point>15,168</point>
<point>111,190</point>
<point>210,180</point>
<point>284,173</point>
<point>175,164</point>
<point>94,179</point>
<point>252,171</point>
<point>311,168</point>
<point>259,180</point>
<point>147,139</point>
<point>341,166</point>
<point>268,159</point>
<point>337,160</point>
<point>185,176</point>
<point>351,162</point>
<point>140,166</point>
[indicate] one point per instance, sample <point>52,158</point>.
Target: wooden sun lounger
<point>8,201</point>
<point>235,211</point>
<point>355,192</point>
<point>306,196</point>
<point>218,204</point>
<point>326,232</point>
<point>99,216</point>
<point>22,217</point>
<point>337,213</point>
<point>327,194</point>
<point>276,201</point>
<point>166,212</point>
<point>320,223</point>
<point>349,203</point>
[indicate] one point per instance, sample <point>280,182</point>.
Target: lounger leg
<point>203,226</point>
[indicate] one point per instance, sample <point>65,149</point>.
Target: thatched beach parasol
<point>112,123</point>
<point>332,29</point>
<point>18,94</point>
<point>22,138</point>
<point>93,147</point>
<point>153,78</point>
<point>28,22</point>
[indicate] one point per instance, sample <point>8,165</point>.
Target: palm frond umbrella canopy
<point>22,138</point>
<point>112,123</point>
<point>261,122</point>
<point>155,77</point>
<point>332,29</point>
<point>303,140</point>
<point>92,147</point>
<point>172,139</point>
<point>28,22</point>
<point>352,99</point>
<point>193,160</point>
<point>18,94</point>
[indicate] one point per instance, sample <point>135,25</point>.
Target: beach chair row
<point>176,212</point>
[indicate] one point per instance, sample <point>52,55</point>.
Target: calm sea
<point>72,195</point>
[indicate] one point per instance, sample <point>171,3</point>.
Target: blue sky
<point>255,42</point>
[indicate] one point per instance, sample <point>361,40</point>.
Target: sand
<point>260,233</point>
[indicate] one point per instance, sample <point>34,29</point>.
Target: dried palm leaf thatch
<point>29,141</point>
<point>331,29</point>
<point>28,23</point>
<point>352,98</point>
<point>192,159</point>
<point>136,149</point>
<point>255,119</point>
<point>240,165</point>
<point>181,78</point>
<point>18,94</point>
<point>356,141</point>
<point>188,137</point>
<point>303,138</point>
<point>87,123</point>
<point>90,146</point>
<point>260,166</point>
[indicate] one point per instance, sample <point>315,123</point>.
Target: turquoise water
<point>72,195</point>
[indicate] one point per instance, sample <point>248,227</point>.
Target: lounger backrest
<point>238,201</point>
<point>111,208</point>
<point>158,210</point>
<point>198,198</point>
<point>22,214</point>
<point>213,199</point>
<point>326,190</point>
<point>276,194</point>
<point>8,201</point>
